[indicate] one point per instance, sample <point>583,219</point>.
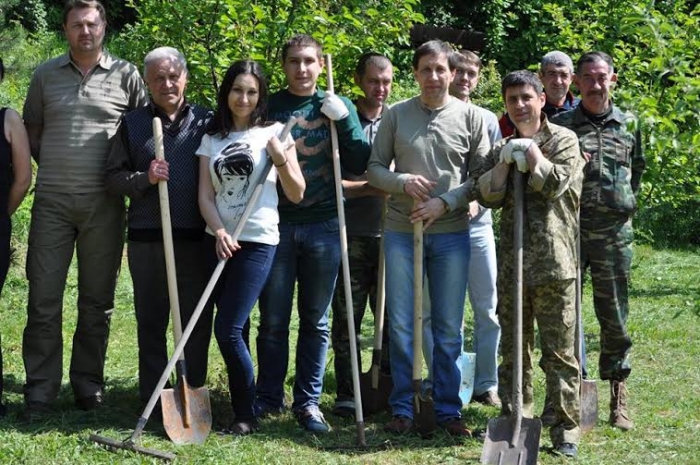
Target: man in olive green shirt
<point>73,109</point>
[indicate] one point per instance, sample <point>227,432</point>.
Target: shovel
<point>514,439</point>
<point>423,407</point>
<point>376,386</point>
<point>589,389</point>
<point>186,410</point>
<point>345,265</point>
<point>466,363</point>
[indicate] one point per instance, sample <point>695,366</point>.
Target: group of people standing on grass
<point>436,158</point>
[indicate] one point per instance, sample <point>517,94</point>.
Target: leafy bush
<point>214,33</point>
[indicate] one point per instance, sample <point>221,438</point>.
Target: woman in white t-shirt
<point>232,157</point>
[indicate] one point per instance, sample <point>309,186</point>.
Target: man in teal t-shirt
<point>309,248</point>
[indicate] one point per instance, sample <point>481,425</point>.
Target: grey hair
<point>557,58</point>
<point>163,53</point>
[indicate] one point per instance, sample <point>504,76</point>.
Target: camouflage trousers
<point>606,248</point>
<point>363,255</point>
<point>553,306</point>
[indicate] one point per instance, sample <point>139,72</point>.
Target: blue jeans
<point>446,262</point>
<point>310,254</point>
<point>239,287</point>
<point>483,299</point>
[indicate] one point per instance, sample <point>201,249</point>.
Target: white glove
<point>514,152</point>
<point>333,107</point>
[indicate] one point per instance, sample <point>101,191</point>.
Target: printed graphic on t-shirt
<point>233,170</point>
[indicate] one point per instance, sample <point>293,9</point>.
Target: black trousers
<point>152,305</point>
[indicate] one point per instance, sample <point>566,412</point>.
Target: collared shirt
<point>551,201</point>
<point>363,215</point>
<point>613,174</point>
<point>79,114</point>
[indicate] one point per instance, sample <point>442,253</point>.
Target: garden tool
<point>345,265</point>
<point>513,439</point>
<point>376,386</point>
<point>423,406</point>
<point>186,410</point>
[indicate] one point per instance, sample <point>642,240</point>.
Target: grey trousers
<point>92,224</point>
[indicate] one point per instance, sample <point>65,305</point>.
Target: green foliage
<point>654,45</point>
<point>31,14</point>
<point>488,92</point>
<point>214,33</point>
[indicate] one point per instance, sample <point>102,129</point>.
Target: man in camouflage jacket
<point>553,159</point>
<point>611,140</point>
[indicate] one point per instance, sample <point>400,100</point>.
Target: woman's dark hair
<point>222,123</point>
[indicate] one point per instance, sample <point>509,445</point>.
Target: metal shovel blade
<point>375,399</point>
<point>499,434</point>
<point>188,424</point>
<point>589,405</point>
<point>467,369</point>
<point>424,415</point>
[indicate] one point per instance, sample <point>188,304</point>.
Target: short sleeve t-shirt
<point>236,164</point>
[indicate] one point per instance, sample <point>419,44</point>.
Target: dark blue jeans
<point>239,287</point>
<point>310,255</point>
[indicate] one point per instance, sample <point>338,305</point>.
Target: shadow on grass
<point>120,411</point>
<point>343,438</point>
<point>664,290</point>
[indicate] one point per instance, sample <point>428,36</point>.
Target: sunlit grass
<point>663,388</point>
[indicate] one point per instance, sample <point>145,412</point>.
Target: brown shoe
<point>456,427</point>
<point>399,425</point>
<point>619,414</point>
<point>489,398</point>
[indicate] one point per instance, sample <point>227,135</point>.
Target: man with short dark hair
<point>429,138</point>
<point>309,247</point>
<point>482,257</point>
<point>363,214</point>
<point>133,171</point>
<point>611,139</point>
<point>556,73</point>
<point>551,162</point>
<point>73,108</point>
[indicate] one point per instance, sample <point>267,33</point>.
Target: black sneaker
<point>344,408</point>
<point>566,449</point>
<point>90,402</point>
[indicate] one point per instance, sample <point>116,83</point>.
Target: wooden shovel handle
<point>379,307</point>
<point>345,265</point>
<point>417,299</point>
<point>170,268</point>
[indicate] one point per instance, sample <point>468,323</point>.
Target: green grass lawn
<point>663,386</point>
